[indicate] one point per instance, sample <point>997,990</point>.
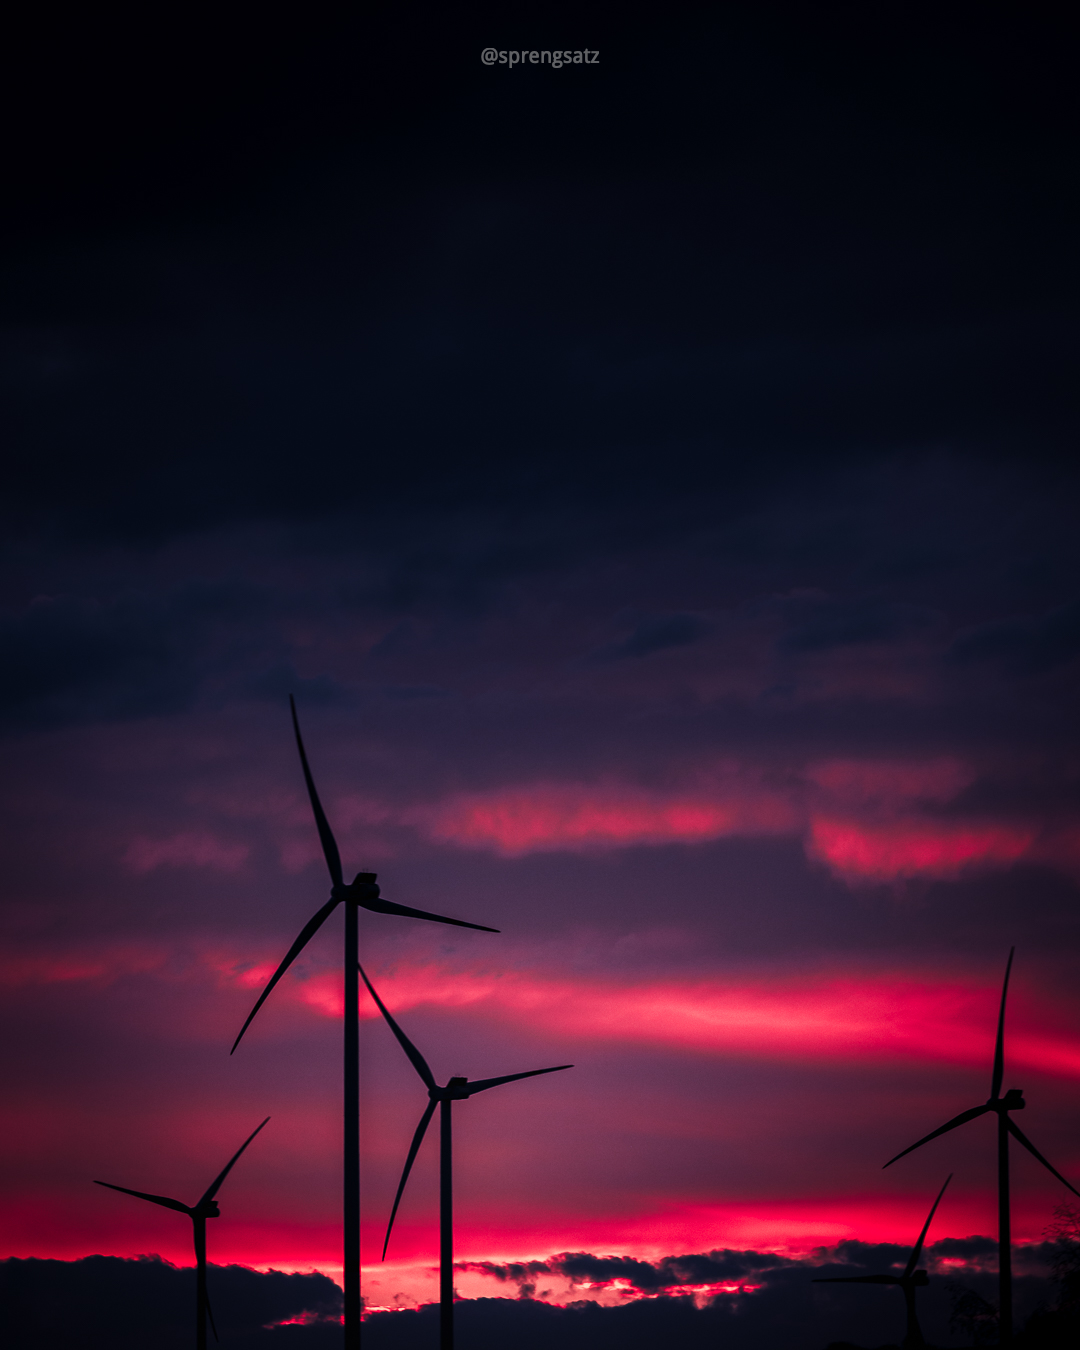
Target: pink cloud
<point>193,848</point>
<point>891,783</point>
<point>783,1019</point>
<point>73,966</point>
<point>912,848</point>
<point>547,816</point>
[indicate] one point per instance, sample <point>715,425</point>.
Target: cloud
<point>940,849</point>
<point>841,1019</point>
<point>109,1303</point>
<point>747,1300</point>
<point>868,821</point>
<point>66,659</point>
<point>1027,646</point>
<point>193,848</point>
<point>656,634</point>
<point>889,784</point>
<point>546,816</point>
<point>820,622</point>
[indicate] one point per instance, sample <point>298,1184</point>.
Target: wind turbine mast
<point>1013,1100</point>
<point>361,893</point>
<point>205,1207</point>
<point>456,1090</point>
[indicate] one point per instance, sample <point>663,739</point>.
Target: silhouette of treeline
<point>109,1303</point>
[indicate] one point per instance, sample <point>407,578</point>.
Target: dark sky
<point>655,479</point>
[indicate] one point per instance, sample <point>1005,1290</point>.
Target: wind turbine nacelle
<point>1014,1100</point>
<point>362,888</point>
<point>457,1089</point>
<point>920,1277</point>
<point>209,1210</point>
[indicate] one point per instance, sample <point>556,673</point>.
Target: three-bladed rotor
<point>361,891</point>
<point>454,1090</point>
<point>206,1206</point>
<point>1013,1100</point>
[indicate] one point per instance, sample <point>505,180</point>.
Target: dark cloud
<point>108,1303</point>
<point>796,255</point>
<point>134,654</point>
<point>656,634</point>
<point>818,623</point>
<point>1028,646</point>
<point>779,1308</point>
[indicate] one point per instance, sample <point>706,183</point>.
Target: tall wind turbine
<point>456,1090</point>
<point>204,1208</point>
<point>908,1281</point>
<point>360,893</point>
<point>1013,1100</point>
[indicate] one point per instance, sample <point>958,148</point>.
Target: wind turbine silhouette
<point>203,1209</point>
<point>360,893</point>
<point>908,1281</point>
<point>456,1090</point>
<point>1013,1100</point>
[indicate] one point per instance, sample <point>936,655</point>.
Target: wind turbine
<point>456,1090</point>
<point>1013,1100</point>
<point>360,893</point>
<point>204,1208</point>
<point>908,1281</point>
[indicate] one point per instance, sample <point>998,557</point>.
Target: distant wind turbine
<point>204,1208</point>
<point>908,1281</point>
<point>1013,1100</point>
<point>456,1090</point>
<point>361,893</point>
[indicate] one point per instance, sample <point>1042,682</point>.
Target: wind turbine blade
<point>414,1148</point>
<point>390,907</point>
<point>1022,1138</point>
<point>999,1046</point>
<point>419,1063</point>
<point>210,1314</point>
<point>326,835</point>
<point>916,1251</point>
<point>856,1279</point>
<point>306,934</point>
<point>154,1199</point>
<point>482,1084</point>
<point>215,1185</point>
<point>961,1119</point>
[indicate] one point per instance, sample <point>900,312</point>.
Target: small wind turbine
<point>205,1208</point>
<point>908,1281</point>
<point>456,1090</point>
<point>360,893</point>
<point>1013,1100</point>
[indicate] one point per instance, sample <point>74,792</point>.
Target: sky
<point>654,480</point>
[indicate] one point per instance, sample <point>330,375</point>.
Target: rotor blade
<point>999,1046</point>
<point>142,1195</point>
<point>306,934</point>
<point>326,835</point>
<point>916,1251</point>
<point>1019,1135</point>
<point>391,907</point>
<point>482,1084</point>
<point>856,1279</point>
<point>215,1185</point>
<point>414,1147</point>
<point>961,1119</point>
<point>210,1314</point>
<point>419,1063</point>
